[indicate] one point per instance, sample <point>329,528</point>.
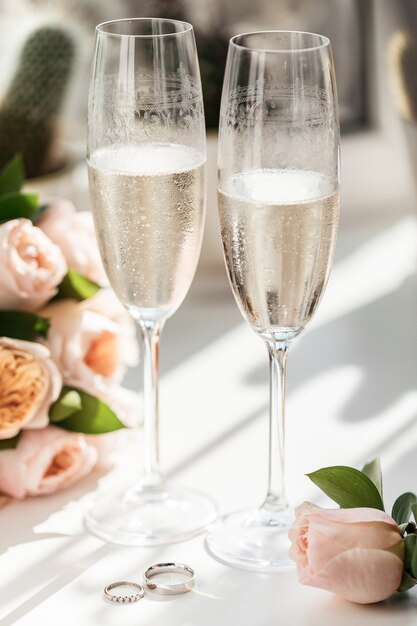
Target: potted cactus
<point>29,111</point>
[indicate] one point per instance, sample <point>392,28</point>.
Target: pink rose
<point>29,383</point>
<point>106,303</point>
<point>356,553</point>
<point>74,233</point>
<point>92,341</point>
<point>44,461</point>
<point>31,266</point>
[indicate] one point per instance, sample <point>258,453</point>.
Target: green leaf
<point>12,176</point>
<point>68,403</point>
<point>16,204</point>
<point>401,511</point>
<point>407,582</point>
<point>76,286</point>
<point>414,562</point>
<point>23,325</point>
<point>348,487</point>
<point>373,471</point>
<point>10,444</point>
<point>94,417</point>
<point>410,555</point>
<point>414,510</point>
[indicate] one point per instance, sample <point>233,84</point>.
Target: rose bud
<point>355,553</point>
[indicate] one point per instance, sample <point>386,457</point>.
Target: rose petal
<point>359,575</point>
<point>44,461</point>
<point>27,387</point>
<point>88,344</point>
<point>355,515</point>
<point>366,534</point>
<point>347,516</point>
<point>105,301</point>
<point>31,266</point>
<point>74,233</point>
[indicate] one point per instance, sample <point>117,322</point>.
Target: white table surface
<point>352,394</point>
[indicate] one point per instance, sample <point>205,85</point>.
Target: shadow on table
<point>21,519</point>
<point>377,338</point>
<point>71,572</point>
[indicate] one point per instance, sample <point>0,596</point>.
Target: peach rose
<point>29,383</point>
<point>91,341</point>
<point>44,461</point>
<point>106,303</point>
<point>355,553</point>
<point>31,266</point>
<point>74,233</point>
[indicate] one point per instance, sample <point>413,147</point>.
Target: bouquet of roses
<point>65,342</point>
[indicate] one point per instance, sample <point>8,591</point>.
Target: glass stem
<point>276,499</point>
<point>151,332</point>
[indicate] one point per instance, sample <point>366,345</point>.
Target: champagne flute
<point>278,197</point>
<point>146,161</point>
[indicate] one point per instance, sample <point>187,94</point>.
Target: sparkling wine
<point>279,232</point>
<point>148,205</point>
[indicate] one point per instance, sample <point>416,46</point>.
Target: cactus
<point>29,111</point>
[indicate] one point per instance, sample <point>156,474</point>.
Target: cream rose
<point>356,553</point>
<point>44,461</point>
<point>74,233</point>
<point>31,266</point>
<point>92,341</point>
<point>29,383</point>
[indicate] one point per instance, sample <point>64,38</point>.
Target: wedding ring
<point>165,588</point>
<point>138,595</point>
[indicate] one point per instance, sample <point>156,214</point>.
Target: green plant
<point>29,111</point>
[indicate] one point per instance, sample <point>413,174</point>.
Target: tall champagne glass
<point>146,161</point>
<point>278,197</point>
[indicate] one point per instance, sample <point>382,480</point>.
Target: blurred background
<point>45,52</point>
<point>346,22</point>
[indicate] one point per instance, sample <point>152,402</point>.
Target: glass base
<point>252,539</point>
<point>150,516</point>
